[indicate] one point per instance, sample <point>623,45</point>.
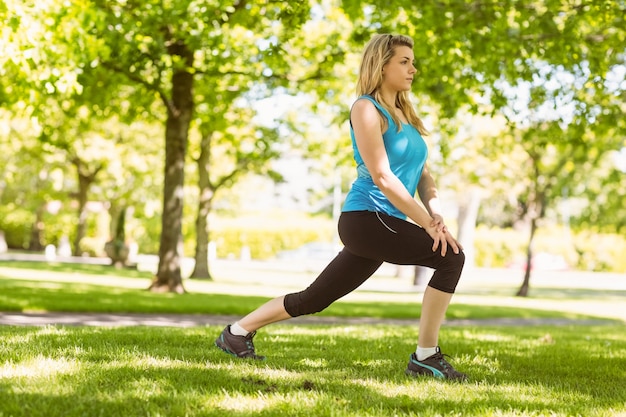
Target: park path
<point>193,320</point>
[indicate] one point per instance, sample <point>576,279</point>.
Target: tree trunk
<point>523,290</point>
<point>36,232</point>
<point>201,268</point>
<point>468,213</point>
<point>85,179</point>
<point>81,227</point>
<point>180,109</point>
<point>536,210</point>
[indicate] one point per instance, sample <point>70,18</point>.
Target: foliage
<point>14,222</point>
<point>605,193</point>
<point>584,250</point>
<point>600,251</point>
<point>92,82</point>
<point>279,230</point>
<point>17,223</point>
<point>264,243</point>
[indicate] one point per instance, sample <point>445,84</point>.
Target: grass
<point>312,369</point>
<point>102,289</point>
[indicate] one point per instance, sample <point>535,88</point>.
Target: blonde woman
<point>391,155</point>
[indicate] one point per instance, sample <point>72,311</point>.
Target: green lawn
<point>95,288</point>
<point>312,370</point>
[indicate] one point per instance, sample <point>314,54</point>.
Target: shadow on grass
<point>136,371</point>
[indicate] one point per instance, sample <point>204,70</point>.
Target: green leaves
<point>86,70</point>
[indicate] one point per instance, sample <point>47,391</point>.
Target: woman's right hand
<point>438,238</point>
<point>444,238</point>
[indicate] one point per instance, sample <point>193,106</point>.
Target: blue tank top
<point>407,153</point>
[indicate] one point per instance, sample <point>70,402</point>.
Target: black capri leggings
<point>371,238</point>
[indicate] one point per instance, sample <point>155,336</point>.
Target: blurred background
<point>181,132</point>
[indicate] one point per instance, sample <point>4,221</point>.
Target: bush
<point>498,248</point>
<point>600,252</point>
<point>147,233</point>
<point>274,233</point>
<point>263,243</point>
<point>16,223</point>
<point>263,234</point>
<point>58,225</point>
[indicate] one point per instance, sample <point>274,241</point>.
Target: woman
<point>391,166</point>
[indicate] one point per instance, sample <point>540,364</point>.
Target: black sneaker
<point>239,346</point>
<point>435,366</point>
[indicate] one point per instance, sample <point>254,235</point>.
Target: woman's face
<point>399,71</point>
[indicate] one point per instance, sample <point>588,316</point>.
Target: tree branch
<point>150,86</point>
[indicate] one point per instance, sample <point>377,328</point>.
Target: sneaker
<point>435,366</point>
<point>239,346</point>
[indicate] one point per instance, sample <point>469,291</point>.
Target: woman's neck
<point>389,96</point>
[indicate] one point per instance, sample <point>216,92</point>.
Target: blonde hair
<point>378,51</point>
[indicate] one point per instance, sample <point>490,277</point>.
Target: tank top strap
<point>380,108</point>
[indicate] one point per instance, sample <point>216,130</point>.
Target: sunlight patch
<point>314,363</point>
<point>145,387</point>
<point>389,389</point>
<point>39,367</point>
<point>48,330</point>
<point>489,337</point>
<point>261,401</point>
<point>300,330</point>
<point>243,403</point>
<point>374,362</point>
<point>278,374</point>
<point>18,339</point>
<point>246,368</point>
<point>149,362</point>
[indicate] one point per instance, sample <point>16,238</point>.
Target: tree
<point>226,153</point>
<point>234,142</point>
<point>74,107</point>
<point>167,49</point>
<point>30,179</point>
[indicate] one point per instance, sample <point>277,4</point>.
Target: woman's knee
<point>457,260</point>
<point>448,274</point>
<point>300,304</point>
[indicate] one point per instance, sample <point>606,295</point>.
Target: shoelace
<point>441,358</point>
<point>248,340</point>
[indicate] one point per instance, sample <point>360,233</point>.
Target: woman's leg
<point>270,312</point>
<point>400,242</point>
<point>344,273</point>
<point>405,243</point>
<point>434,306</point>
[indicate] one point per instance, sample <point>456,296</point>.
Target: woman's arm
<point>366,123</point>
<point>429,195</point>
